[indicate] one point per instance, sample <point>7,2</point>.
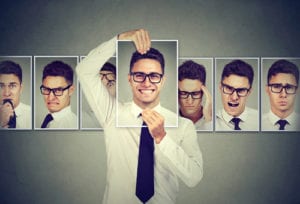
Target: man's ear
<point>129,78</point>
<point>71,89</point>
<point>163,79</point>
<point>21,87</point>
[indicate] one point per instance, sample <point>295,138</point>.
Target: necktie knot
<point>282,124</point>
<point>236,122</point>
<point>47,119</point>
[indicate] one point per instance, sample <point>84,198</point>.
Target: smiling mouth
<point>146,91</point>
<point>233,104</point>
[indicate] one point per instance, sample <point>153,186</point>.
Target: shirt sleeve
<point>95,92</point>
<point>184,155</point>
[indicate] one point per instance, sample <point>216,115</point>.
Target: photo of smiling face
<point>58,93</point>
<point>234,91</point>
<point>146,81</point>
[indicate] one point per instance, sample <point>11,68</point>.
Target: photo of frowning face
<point>282,89</point>
<point>59,98</point>
<point>234,91</point>
<point>11,88</point>
<point>146,93</point>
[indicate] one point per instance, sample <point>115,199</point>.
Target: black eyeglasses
<point>108,76</point>
<point>56,91</point>
<point>186,94</point>
<point>289,88</point>
<point>241,92</point>
<point>140,77</point>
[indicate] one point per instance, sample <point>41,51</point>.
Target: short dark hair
<point>283,66</point>
<point>10,67</point>
<point>240,68</point>
<point>151,54</point>
<point>108,67</point>
<point>58,68</point>
<point>192,70</point>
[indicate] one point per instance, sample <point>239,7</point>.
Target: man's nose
<point>190,99</point>
<point>147,81</point>
<point>51,95</point>
<point>283,93</point>
<point>234,95</point>
<point>6,91</point>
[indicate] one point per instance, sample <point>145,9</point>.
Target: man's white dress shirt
<point>177,156</point>
<point>269,122</point>
<point>23,113</point>
<point>64,119</point>
<point>249,120</point>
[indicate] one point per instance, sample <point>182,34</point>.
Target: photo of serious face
<point>57,86</point>
<point>191,88</point>
<point>282,87</point>
<point>190,97</point>
<point>146,79</point>
<point>235,87</point>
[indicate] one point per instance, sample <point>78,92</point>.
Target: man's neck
<point>282,114</point>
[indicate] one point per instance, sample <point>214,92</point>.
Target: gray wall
<point>70,166</point>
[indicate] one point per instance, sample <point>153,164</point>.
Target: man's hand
<point>140,37</point>
<point>6,111</point>
<point>207,109</point>
<point>155,123</point>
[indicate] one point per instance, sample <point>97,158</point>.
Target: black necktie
<point>145,171</point>
<point>282,124</point>
<point>236,122</point>
<point>47,119</point>
<point>12,121</point>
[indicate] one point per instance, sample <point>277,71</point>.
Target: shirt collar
<point>274,118</point>
<point>136,110</point>
<point>228,117</point>
<point>18,109</point>
<point>61,113</point>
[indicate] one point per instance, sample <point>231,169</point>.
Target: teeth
<point>146,91</point>
<point>233,105</point>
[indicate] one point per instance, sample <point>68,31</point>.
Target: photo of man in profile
<point>13,113</point>
<point>236,85</point>
<point>56,89</point>
<point>282,90</point>
<point>191,94</point>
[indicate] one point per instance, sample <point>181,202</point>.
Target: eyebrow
<point>10,83</point>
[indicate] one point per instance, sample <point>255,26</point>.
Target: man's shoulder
<point>171,118</point>
<point>24,107</point>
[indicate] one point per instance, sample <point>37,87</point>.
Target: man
<point>175,151</point>
<point>57,88</point>
<point>191,87</point>
<point>13,113</point>
<point>235,88</point>
<point>107,76</point>
<point>282,89</point>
